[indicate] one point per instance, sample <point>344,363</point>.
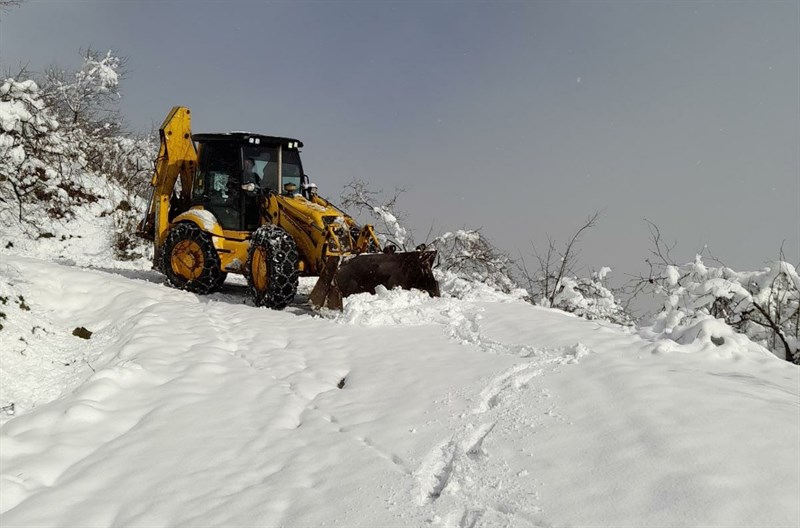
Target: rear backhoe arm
<point>176,157</point>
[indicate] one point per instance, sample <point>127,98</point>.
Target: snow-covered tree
<point>37,160</point>
<point>63,144</point>
<point>470,256</point>
<point>389,225</point>
<point>8,4</point>
<point>590,298</point>
<point>87,98</point>
<point>555,264</point>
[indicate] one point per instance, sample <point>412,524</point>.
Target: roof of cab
<point>245,137</point>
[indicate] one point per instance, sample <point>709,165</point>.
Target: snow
<point>752,302</point>
<point>124,402</point>
<point>205,219</point>
<point>18,98</point>
<point>603,273</point>
<point>401,410</point>
<point>672,274</point>
<point>398,233</point>
<point>312,205</point>
<point>98,76</point>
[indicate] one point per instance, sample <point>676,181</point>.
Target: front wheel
<point>271,268</point>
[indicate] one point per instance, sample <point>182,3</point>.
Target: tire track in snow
<point>515,379</point>
<point>459,481</point>
<point>439,468</point>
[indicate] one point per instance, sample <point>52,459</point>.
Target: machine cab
<point>229,162</point>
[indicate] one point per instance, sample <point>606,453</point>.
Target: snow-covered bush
<point>466,261</point>
<point>38,162</point>
<point>554,266</point>
<point>87,99</point>
<point>555,284</point>
<point>86,104</point>
<point>376,208</point>
<point>63,147</point>
<point>763,305</point>
<point>469,256</point>
<point>393,232</point>
<point>590,298</point>
<point>127,160</point>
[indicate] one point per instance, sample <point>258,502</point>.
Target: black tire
<point>190,261</point>
<point>220,281</point>
<point>271,268</point>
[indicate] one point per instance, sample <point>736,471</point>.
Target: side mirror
<point>308,189</point>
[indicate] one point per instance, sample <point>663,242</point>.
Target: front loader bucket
<point>343,276</point>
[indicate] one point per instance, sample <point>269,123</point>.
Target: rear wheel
<point>190,261</point>
<point>271,268</point>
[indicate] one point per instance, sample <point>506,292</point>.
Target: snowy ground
<point>185,411</point>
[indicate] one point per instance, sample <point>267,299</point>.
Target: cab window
<point>217,182</point>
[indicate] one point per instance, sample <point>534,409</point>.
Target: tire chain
<point>212,276</point>
<point>282,267</point>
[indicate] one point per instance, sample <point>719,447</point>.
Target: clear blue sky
<point>518,117</point>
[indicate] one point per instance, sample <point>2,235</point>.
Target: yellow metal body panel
<point>204,220</point>
<point>319,229</point>
<point>232,249</point>
<point>176,158</point>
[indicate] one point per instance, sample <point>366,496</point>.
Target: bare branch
<point>567,258</point>
<point>661,248</point>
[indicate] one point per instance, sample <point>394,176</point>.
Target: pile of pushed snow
<point>459,319</point>
<point>394,307</point>
<point>415,307</point>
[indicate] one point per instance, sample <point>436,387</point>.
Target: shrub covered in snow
<point>87,99</point>
<point>467,264</point>
<point>38,162</point>
<point>394,232</point>
<point>762,305</point>
<point>376,208</point>
<point>467,255</point>
<point>590,298</point>
<point>62,148</point>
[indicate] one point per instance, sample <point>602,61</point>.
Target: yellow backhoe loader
<point>240,203</point>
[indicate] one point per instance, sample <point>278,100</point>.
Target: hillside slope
<point>400,411</point>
